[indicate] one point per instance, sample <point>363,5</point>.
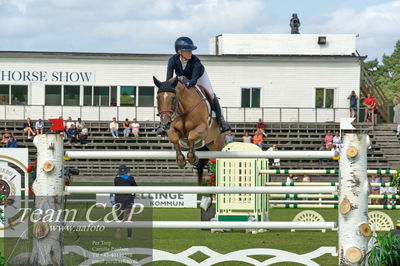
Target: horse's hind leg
<point>173,136</point>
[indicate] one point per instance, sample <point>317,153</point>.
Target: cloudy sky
<point>151,26</point>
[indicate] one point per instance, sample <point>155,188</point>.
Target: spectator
<point>337,139</point>
<point>125,201</point>
<point>127,128</point>
<point>291,178</point>
<point>398,131</point>
<point>135,127</point>
<point>114,128</point>
<point>353,103</point>
<point>246,138</point>
<point>375,190</point>
<point>83,135</point>
<point>6,135</point>
<point>229,137</point>
<point>323,148</point>
<point>261,126</point>
<point>392,190</point>
<point>69,123</point>
<point>15,100</point>
<point>39,126</point>
<point>72,134</point>
<point>396,109</point>
<point>3,100</point>
<point>328,138</point>
<point>368,108</point>
<point>79,125</point>
<point>276,161</point>
<point>375,110</point>
<point>335,148</point>
<point>28,128</point>
<point>258,139</point>
<point>11,143</point>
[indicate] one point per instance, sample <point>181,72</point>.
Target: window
<point>87,96</point>
<point>53,95</point>
<point>4,94</point>
<point>71,95</point>
<point>324,97</point>
<point>19,94</point>
<point>128,96</point>
<point>251,97</point>
<point>146,96</point>
<point>113,96</point>
<point>101,96</point>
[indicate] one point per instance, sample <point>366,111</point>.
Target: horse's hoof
<point>192,158</point>
<point>180,160</point>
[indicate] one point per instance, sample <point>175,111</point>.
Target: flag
<point>57,124</point>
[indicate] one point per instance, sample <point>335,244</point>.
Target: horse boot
<point>160,132</point>
<point>224,126</point>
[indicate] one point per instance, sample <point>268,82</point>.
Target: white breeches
<point>205,82</point>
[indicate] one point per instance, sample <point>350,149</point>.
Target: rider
<point>191,72</point>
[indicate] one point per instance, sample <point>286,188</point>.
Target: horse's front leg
<point>173,136</point>
<point>197,134</point>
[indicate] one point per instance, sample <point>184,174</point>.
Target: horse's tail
<point>200,165</point>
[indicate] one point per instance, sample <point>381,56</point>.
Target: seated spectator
<point>135,127</point>
<point>328,138</point>
<point>11,143</point>
<point>127,128</point>
<point>258,139</point>
<point>276,161</point>
<point>72,134</point>
<point>306,178</point>
<point>69,123</point>
<point>3,100</point>
<point>39,126</point>
<point>291,178</point>
<point>83,135</point>
<point>6,135</point>
<point>79,125</point>
<point>246,138</point>
<point>336,148</point>
<point>337,139</point>
<point>114,128</point>
<point>28,128</point>
<point>15,100</point>
<point>261,126</point>
<point>375,190</point>
<point>229,137</point>
<point>323,148</point>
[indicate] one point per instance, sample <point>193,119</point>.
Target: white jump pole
<point>197,190</point>
<point>319,184</point>
<point>165,155</point>
<point>206,225</point>
<point>322,171</point>
<point>354,230</point>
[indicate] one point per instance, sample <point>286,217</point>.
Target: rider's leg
<point>204,81</point>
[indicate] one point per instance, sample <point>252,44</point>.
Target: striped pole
<point>319,184</point>
<point>325,196</point>
<point>323,171</point>
<point>330,206</point>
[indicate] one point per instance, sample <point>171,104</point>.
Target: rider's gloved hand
<point>184,80</point>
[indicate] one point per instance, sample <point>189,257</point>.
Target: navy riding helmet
<point>184,44</point>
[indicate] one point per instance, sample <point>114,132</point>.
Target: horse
<point>186,118</point>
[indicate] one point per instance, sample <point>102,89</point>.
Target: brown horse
<point>185,116</point>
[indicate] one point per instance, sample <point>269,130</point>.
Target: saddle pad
<point>207,102</point>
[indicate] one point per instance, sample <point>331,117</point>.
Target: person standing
<point>353,103</point>
<point>396,109</point>
<point>114,128</point>
<point>124,201</point>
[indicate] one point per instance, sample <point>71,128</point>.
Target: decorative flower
<point>29,169</point>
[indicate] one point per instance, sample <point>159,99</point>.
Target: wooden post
<point>48,188</point>
<point>354,229</point>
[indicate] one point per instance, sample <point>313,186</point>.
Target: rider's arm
<point>170,68</point>
<point>198,71</point>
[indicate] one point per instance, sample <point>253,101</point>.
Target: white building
<point>285,78</point>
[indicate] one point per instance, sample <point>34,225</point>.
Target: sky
<point>151,26</point>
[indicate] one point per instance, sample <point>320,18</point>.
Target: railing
<point>232,114</point>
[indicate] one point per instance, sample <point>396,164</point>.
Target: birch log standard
<point>354,230</point>
<point>48,188</point>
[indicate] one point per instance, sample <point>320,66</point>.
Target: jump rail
<point>206,225</point>
<point>165,155</point>
<point>319,184</point>
<point>196,190</point>
<point>323,171</point>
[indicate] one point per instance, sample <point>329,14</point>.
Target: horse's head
<point>167,102</point>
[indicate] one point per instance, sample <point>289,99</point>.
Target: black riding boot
<point>224,126</point>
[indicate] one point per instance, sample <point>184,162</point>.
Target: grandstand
<point>385,152</point>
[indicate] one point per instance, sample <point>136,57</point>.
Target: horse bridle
<point>173,111</point>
